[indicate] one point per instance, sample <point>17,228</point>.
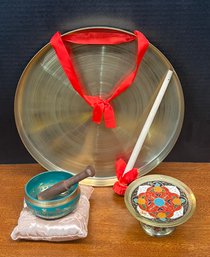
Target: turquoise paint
<point>159,202</point>
<point>43,181</point>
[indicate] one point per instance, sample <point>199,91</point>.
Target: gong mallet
<point>148,123</point>
<point>64,185</point>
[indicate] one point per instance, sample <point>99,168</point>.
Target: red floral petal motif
<point>171,201</point>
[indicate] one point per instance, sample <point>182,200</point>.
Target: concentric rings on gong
<point>55,125</point>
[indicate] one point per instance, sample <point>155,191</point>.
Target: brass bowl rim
<point>190,197</point>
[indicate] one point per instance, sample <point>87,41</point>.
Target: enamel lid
<point>160,201</point>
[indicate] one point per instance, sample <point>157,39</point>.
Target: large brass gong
<point>55,124</point>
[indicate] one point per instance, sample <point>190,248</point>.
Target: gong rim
<point>96,181</point>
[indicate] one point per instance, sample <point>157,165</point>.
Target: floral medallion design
<point>159,201</point>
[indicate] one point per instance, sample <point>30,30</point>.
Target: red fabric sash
<point>101,107</point>
<point>123,180</point>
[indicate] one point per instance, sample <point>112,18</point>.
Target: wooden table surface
<point>112,229</point>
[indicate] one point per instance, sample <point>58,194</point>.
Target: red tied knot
<point>97,36</point>
<point>103,108</point>
<point>123,180</point>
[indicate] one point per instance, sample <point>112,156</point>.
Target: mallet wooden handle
<point>64,185</point>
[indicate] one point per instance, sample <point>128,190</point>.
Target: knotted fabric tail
<point>123,180</point>
<point>101,107</point>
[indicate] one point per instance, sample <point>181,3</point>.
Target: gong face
<point>55,123</point>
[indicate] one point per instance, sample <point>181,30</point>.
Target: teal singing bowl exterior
<point>56,208</point>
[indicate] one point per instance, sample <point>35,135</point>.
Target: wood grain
<point>112,229</point>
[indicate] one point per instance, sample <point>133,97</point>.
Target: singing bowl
<point>55,123</point>
<point>58,207</point>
